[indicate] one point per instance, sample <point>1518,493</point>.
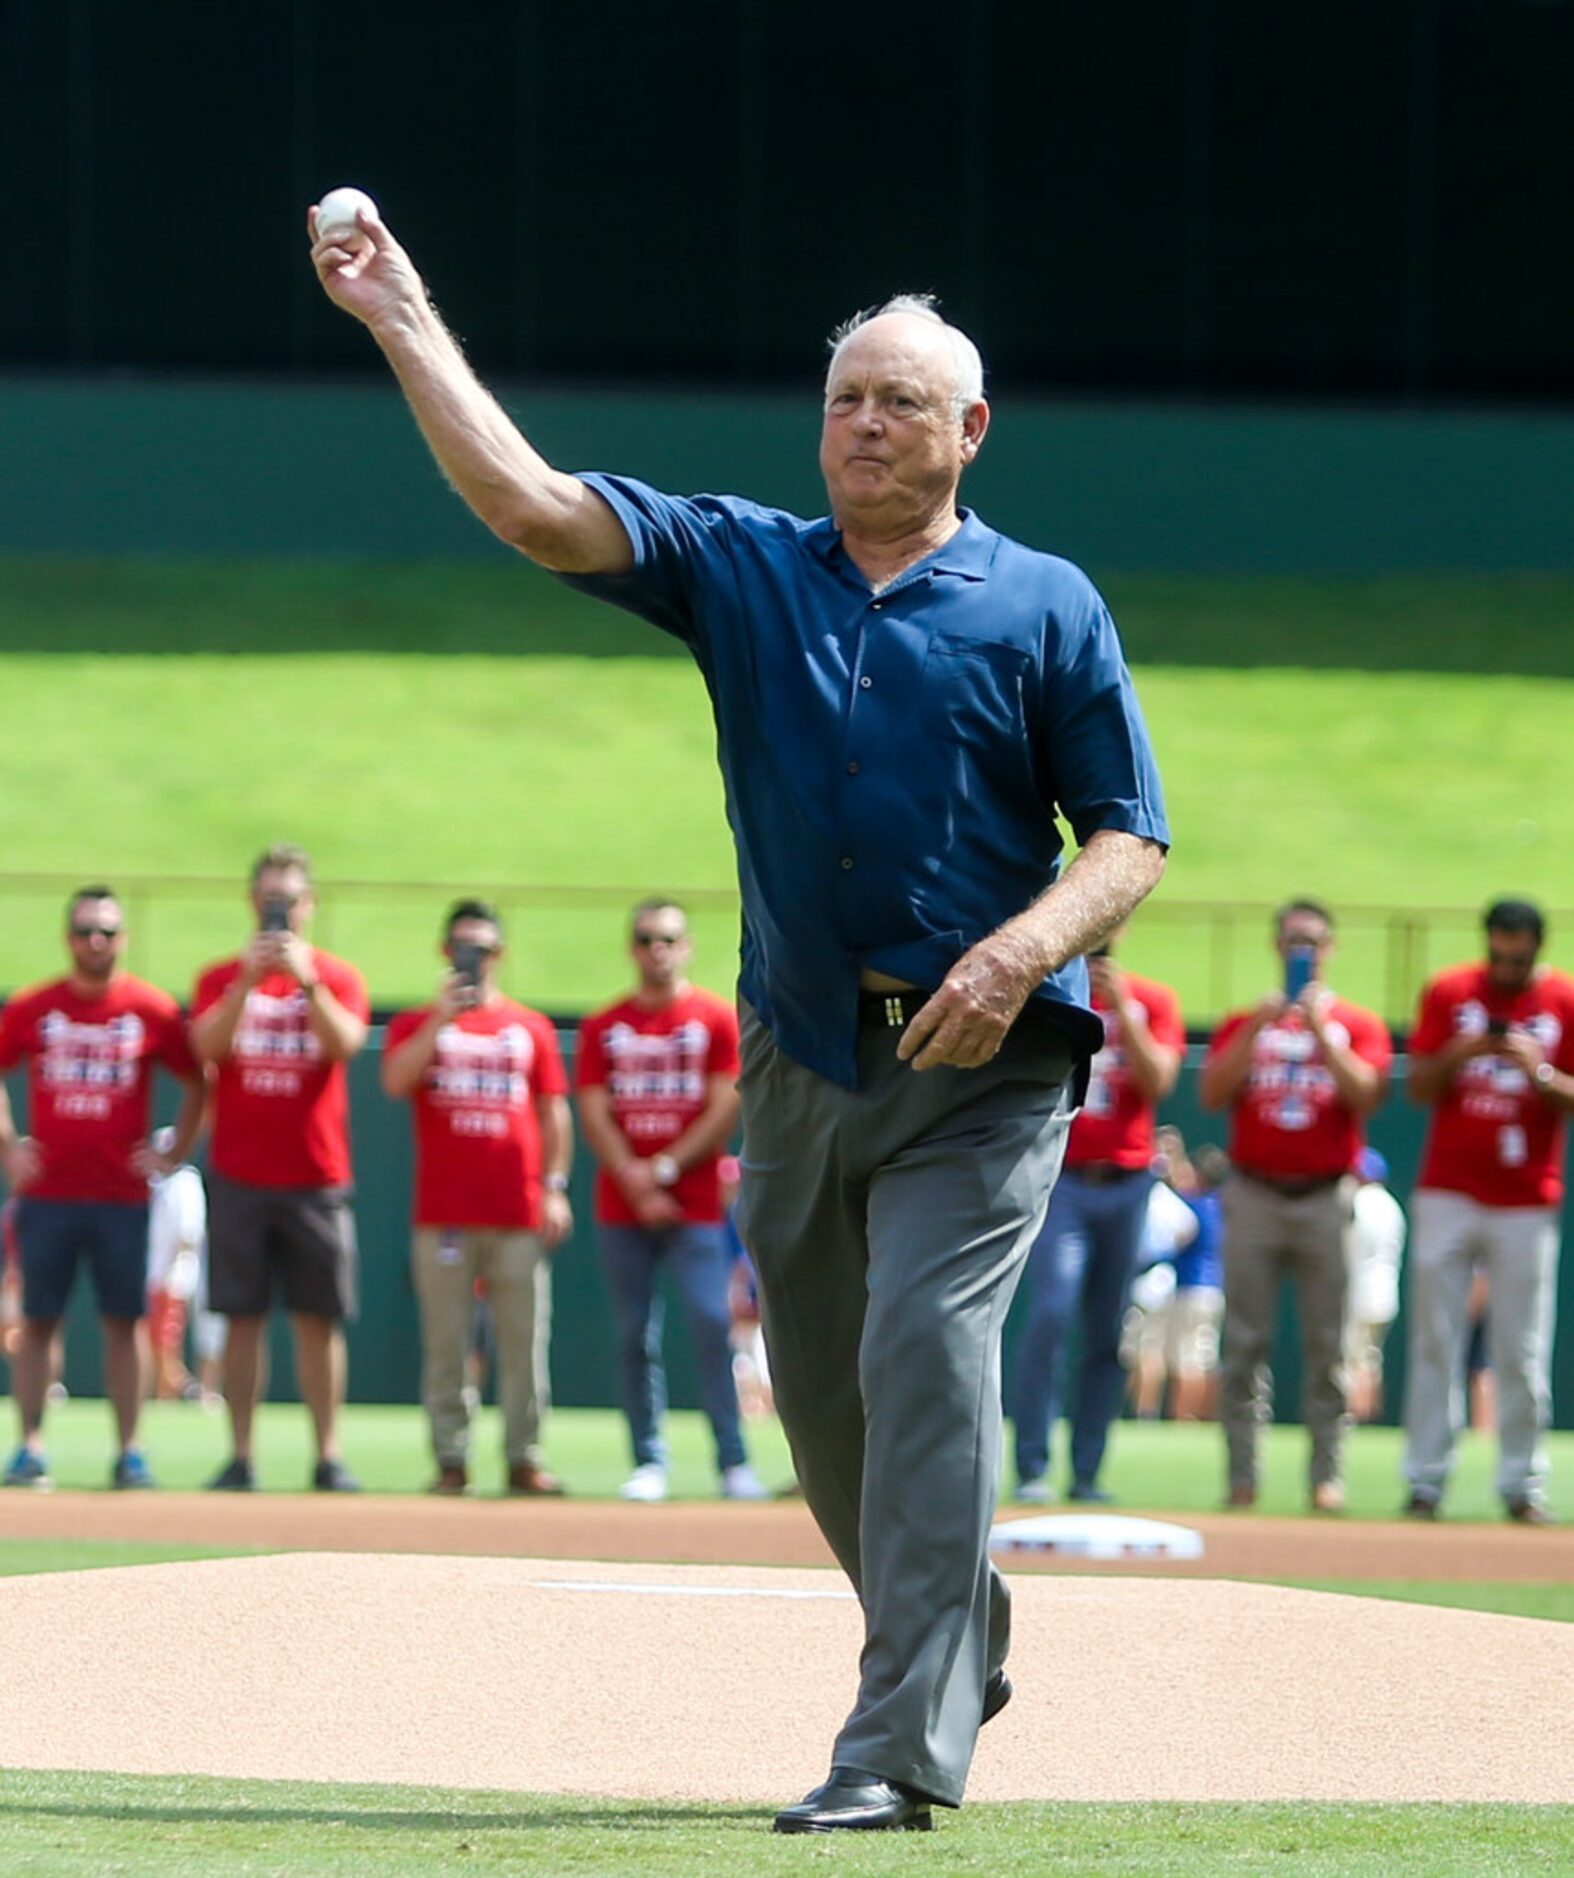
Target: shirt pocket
<point>973,693</point>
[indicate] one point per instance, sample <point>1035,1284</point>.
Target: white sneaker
<point>1035,1492</point>
<point>647,1482</point>
<point>742,1483</point>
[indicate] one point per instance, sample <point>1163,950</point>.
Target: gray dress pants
<point>888,1228</point>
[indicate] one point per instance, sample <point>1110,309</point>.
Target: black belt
<point>890,1010</point>
<point>1104,1173</point>
<point>895,1010</point>
<point>1292,1189</point>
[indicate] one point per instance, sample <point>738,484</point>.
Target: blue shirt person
<point>903,700</point>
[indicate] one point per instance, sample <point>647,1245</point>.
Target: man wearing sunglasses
<point>905,699</point>
<point>655,1075</point>
<point>493,1144</point>
<point>89,1041</point>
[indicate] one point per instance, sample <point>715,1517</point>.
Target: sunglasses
<point>97,932</point>
<point>660,938</point>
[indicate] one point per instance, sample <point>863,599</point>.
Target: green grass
<point>481,726</point>
<point>1157,1467</point>
<point>1554,1602</point>
<point>84,1825</point>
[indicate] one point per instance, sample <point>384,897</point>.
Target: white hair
<point>966,361</point>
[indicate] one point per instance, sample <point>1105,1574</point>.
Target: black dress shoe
<point>997,1693</point>
<point>853,1801</point>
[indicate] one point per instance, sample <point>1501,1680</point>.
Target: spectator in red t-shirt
<point>1085,1256</point>
<point>81,1175</point>
<point>493,1145</point>
<point>1299,1073</point>
<point>656,1078</point>
<point>1492,1052</point>
<point>277,1024</point>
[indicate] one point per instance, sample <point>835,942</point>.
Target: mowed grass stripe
<point>484,726</point>
<point>82,1825</point>
<point>1153,1467</point>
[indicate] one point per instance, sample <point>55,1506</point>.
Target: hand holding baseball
<point>363,270</point>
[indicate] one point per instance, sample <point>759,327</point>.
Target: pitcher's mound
<point>728,1684</point>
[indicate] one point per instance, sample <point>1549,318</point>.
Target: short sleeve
<point>13,1039</point>
<point>348,986</point>
<point>1164,1020</point>
<point>1099,758</point>
<point>1220,1039</point>
<point>1433,1025</point>
<point>590,1069</point>
<point>174,1045</point>
<point>725,1058</point>
<point>673,538</point>
<point>550,1079</point>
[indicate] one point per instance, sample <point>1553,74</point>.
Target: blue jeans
<point>697,1258</point>
<point>1087,1254</point>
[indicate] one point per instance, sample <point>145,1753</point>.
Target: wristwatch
<point>664,1170</point>
<point>1542,1075</point>
<point>555,1183</point>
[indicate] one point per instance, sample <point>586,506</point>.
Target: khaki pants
<point>1518,1246</point>
<point>517,1273</point>
<point>1269,1236</point>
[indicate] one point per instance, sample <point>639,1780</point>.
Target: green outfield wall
<point>384,1343</point>
<point>105,466</point>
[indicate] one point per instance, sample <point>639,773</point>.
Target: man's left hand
<point>149,1164</point>
<point>1521,1048</point>
<point>557,1220</point>
<point>295,957</point>
<point>966,1021</point>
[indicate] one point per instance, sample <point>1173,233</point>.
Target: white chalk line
<point>679,1591</point>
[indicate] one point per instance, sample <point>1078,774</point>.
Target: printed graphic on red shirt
<point>89,1081</point>
<point>1116,1123</point>
<point>477,1136</point>
<point>280,1110</point>
<point>656,1066</point>
<point>1493,1135</point>
<point>1288,1121</point>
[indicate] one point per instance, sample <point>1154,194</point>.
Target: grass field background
<point>1395,743</point>
<point>1159,1467</point>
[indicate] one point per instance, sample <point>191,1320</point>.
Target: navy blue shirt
<point>893,761</point>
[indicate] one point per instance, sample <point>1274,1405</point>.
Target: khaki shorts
<point>1185,1330</point>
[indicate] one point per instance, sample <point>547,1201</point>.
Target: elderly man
<point>903,699</point>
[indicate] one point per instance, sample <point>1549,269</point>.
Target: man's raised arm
<point>551,517</point>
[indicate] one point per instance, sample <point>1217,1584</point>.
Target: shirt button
<point>852,769</point>
<point>847,863</point>
<point>865,683</point>
<point>877,604</point>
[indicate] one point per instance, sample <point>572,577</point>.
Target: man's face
<point>289,887</point>
<point>1306,929</point>
<point>1511,959</point>
<point>660,946</point>
<point>484,937</point>
<point>96,938</point>
<point>891,445</point>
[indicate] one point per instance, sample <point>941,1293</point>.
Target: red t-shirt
<point>1493,1135</point>
<point>280,1112</point>
<point>1288,1121</point>
<point>656,1064</point>
<point>1116,1123</point>
<point>89,1077</point>
<point>477,1140</point>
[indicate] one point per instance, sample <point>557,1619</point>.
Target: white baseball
<point>337,210</point>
